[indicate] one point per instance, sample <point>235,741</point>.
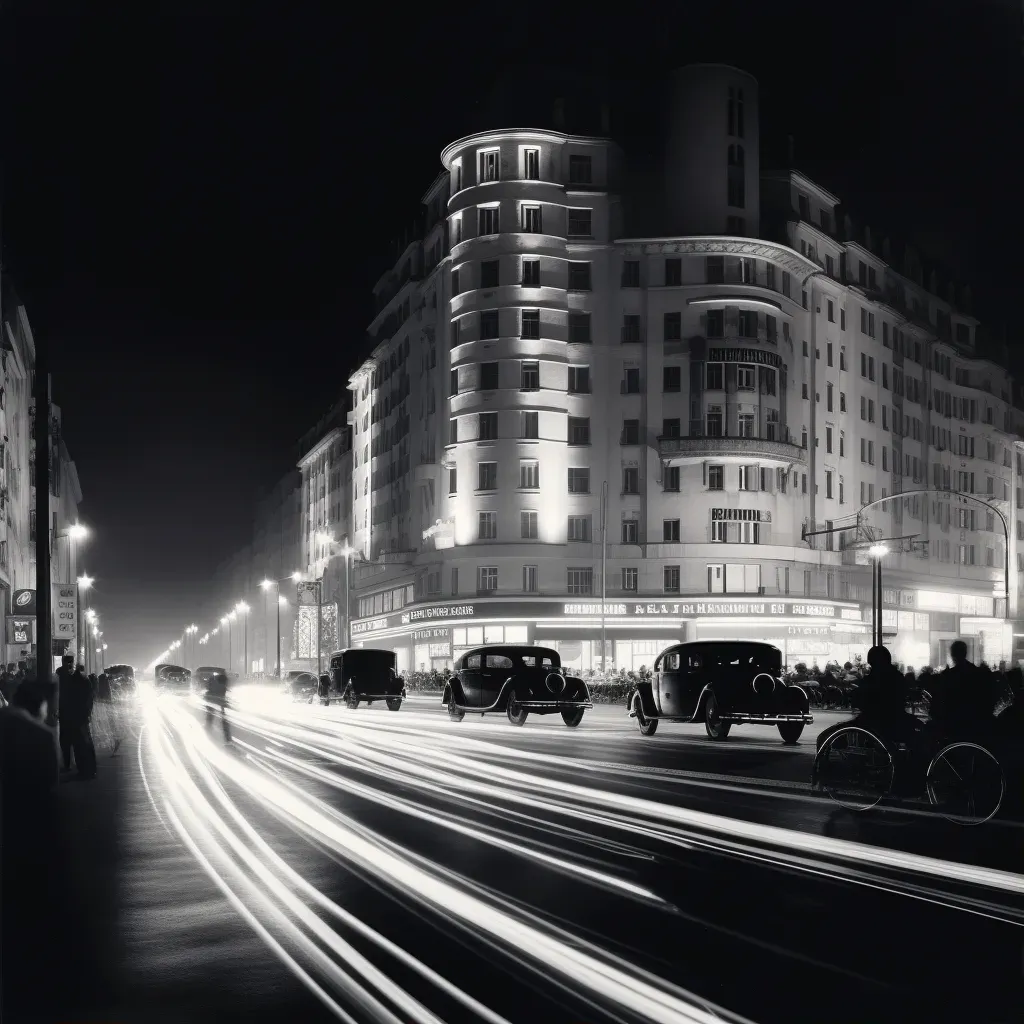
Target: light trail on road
<point>298,764</point>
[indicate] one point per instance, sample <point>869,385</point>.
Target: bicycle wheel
<point>855,768</point>
<point>966,783</point>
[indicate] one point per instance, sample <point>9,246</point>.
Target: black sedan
<point>722,683</point>
<point>172,679</point>
<point>363,674</point>
<point>514,681</point>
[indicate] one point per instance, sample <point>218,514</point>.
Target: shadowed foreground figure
<point>216,698</point>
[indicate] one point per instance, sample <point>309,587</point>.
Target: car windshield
<point>120,670</point>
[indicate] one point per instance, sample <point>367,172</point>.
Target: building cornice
<point>318,449</point>
<point>803,182</point>
<point>781,255</point>
<point>530,134</point>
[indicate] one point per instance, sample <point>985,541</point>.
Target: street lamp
<point>243,609</point>
<point>876,552</point>
<point>281,602</point>
<point>225,622</point>
<point>84,583</point>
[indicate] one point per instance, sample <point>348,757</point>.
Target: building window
<point>630,579</point>
<point>842,401</point>
<point>579,430</point>
<point>831,309</point>
<point>671,427</point>
<point>670,531</point>
<point>580,170</point>
<point>489,165</point>
<point>531,273</point>
<point>532,220</point>
<point>580,224</point>
<point>736,183</point>
<point>487,476</point>
<point>828,394</point>
<point>630,432</point>
<point>488,376</point>
<point>487,220</point>
<point>530,324</point>
<point>631,274</point>
<point>673,272</point>
<point>531,425</point>
<point>671,479</point>
<point>579,326</point>
<point>716,478</point>
<point>748,323</point>
<point>528,525</point>
<point>579,277</point>
<point>630,328</point>
<point>745,378</point>
<point>489,274</point>
<point>714,323</point>
<point>453,383</point>
<point>530,379</point>
<point>579,528</point>
<point>714,376</point>
<point>747,424</point>
<point>453,480</point>
<point>631,480</point>
<point>531,164</point>
<point>579,481</point>
<point>488,526</point>
<point>580,581</point>
<point>631,381</point>
<point>630,531</point>
<point>579,380</point>
<point>489,323</point>
<point>714,421</point>
<point>530,579</point>
<point>748,478</point>
<point>453,431</point>
<point>828,483</point>
<point>735,119</point>
<point>487,578</point>
<point>529,474</point>
<point>671,579</point>
<point>828,440</point>
<point>672,379</point>
<point>673,327</point>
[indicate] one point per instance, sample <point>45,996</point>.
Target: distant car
<point>722,684</point>
<point>365,674</point>
<point>515,681</point>
<point>172,679</point>
<point>300,685</point>
<point>122,676</point>
<point>202,676</point>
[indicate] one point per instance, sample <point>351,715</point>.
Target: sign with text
<point>743,355</point>
<point>738,515</point>
<point>21,631</point>
<point>65,610</point>
<point>23,602</point>
<point>428,623</point>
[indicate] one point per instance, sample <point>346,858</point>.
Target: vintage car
<point>365,674</point>
<point>122,677</point>
<point>301,686</point>
<point>516,681</point>
<point>202,676</point>
<point>721,683</point>
<point>172,679</point>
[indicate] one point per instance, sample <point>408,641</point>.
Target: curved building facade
<point>665,438</point>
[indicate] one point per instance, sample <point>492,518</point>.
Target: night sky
<point>196,207</point>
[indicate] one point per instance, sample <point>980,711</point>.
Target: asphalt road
<point>369,865</point>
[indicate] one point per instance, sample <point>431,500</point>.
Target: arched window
<point>735,155</point>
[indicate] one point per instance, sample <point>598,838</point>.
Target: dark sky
<point>196,206</point>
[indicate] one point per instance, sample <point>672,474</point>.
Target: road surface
<point>366,865</point>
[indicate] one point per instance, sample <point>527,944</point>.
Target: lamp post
<point>91,619</point>
<point>276,584</point>
<point>877,553</point>
<point>225,622</point>
<point>243,609</point>
<point>232,617</point>
<point>84,583</point>
<point>103,658</point>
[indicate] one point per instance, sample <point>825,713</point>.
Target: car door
<point>471,677</point>
<point>670,682</point>
<point>497,668</point>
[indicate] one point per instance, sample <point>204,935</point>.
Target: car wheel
<point>394,703</point>
<point>517,714</point>
<point>790,731</point>
<point>351,701</point>
<point>455,713</point>
<point>572,716</point>
<point>648,726</point>
<point>717,729</point>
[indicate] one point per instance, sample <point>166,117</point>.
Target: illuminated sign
<point>745,515</point>
<point>24,602</point>
<point>19,631</point>
<point>426,623</point>
<point>65,610</point>
<point>743,355</point>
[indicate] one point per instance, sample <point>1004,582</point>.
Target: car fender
<point>453,688</point>
<point>506,689</point>
<point>577,686</point>
<point>799,698</point>
<point>646,694</point>
<point>702,700</point>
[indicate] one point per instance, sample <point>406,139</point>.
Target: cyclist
<point>880,701</point>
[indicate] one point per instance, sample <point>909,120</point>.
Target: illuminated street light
<point>78,532</point>
<point>878,551</point>
<point>85,582</point>
<point>296,576</point>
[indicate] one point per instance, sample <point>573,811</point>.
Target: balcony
<point>678,451</point>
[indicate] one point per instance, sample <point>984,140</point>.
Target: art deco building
<point>569,429</point>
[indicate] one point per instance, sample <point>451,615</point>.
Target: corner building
<point>662,420</point>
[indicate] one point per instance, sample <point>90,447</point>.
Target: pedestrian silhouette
<point>216,699</point>
<point>75,710</point>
